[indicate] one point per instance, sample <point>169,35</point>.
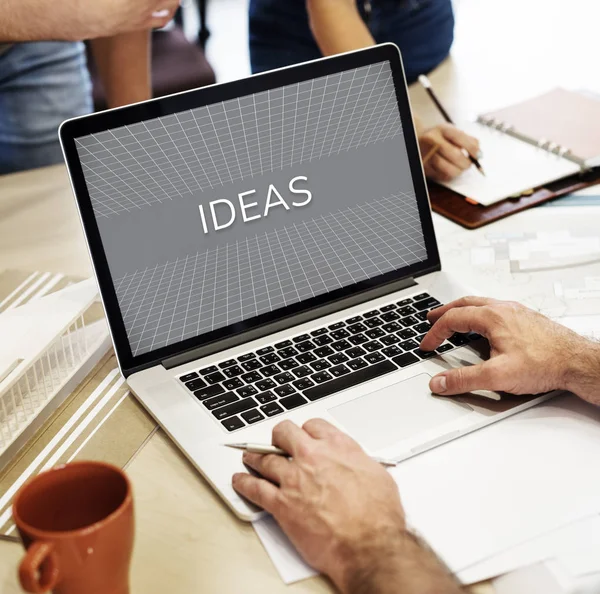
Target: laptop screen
<point>215,215</point>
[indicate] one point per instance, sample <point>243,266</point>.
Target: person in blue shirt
<point>286,32</point>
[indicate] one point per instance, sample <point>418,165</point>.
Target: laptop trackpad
<point>400,411</point>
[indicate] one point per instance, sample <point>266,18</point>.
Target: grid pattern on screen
<point>162,159</point>
<point>209,290</point>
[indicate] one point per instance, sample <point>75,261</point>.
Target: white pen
<point>258,448</point>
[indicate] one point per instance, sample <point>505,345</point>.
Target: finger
<point>258,491</point>
<point>464,319</point>
<point>471,300</point>
<point>454,155</point>
<point>273,467</point>
<point>461,139</point>
<point>443,169</point>
<point>289,437</point>
<point>321,429</point>
<point>466,379</point>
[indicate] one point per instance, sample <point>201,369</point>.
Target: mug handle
<point>38,571</point>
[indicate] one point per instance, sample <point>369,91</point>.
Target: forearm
<point>35,20</point>
<point>123,63</point>
<point>406,566</point>
<point>582,376</point>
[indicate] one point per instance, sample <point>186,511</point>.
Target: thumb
<point>462,379</point>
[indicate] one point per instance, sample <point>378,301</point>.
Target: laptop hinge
<point>284,324</point>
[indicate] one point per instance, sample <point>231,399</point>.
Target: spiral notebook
<point>531,144</point>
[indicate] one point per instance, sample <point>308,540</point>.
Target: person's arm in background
<point>123,62</point>
<point>338,27</point>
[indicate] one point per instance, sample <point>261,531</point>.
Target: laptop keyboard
<point>275,379</point>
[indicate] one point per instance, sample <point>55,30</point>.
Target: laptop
<point>265,251</point>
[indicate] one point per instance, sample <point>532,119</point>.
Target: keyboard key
<point>323,340</point>
<point>221,400</point>
<point>233,423</point>
<point>405,359</point>
<point>474,336</point>
<point>423,327</point>
<point>319,332</point>
<point>266,397</point>
<point>265,350</point>
<point>270,370</point>
<point>373,322</point>
<point>371,314</point>
<point>426,303</point>
<point>389,340</point>
<point>271,409</point>
<point>341,345</point>
<point>354,320</point>
<point>251,377</point>
<point>305,346</point>
<point>408,321</point>
<point>251,365</point>
<point>324,351</point>
<point>358,339</point>
<point>233,371</point>
<point>284,390</point>
<point>227,363</point>
<point>356,328</point>
<point>339,334</point>
<point>404,302</point>
<point>350,380</point>
<point>356,352</point>
<point>458,339</point>
<point>293,401</point>
<point>215,378</point>
<point>247,391</point>
<point>391,327</point>
<point>320,365</point>
<point>208,370</point>
<point>339,370</point>
<point>252,416</point>
<point>387,308</point>
<point>283,345</point>
<point>209,392</point>
<point>338,358</point>
<point>407,310</point>
<point>445,347</point>
<point>372,346</point>
<point>284,378</point>
<point>235,408</point>
<point>406,334</point>
<point>375,333</point>
<point>306,358</point>
<point>288,352</point>
<point>390,316</point>
<point>288,364</point>
<point>321,377</point>
<point>233,383</point>
<point>302,371</point>
<point>188,377</point>
<point>373,358</point>
<point>420,338</point>
<point>409,345</point>
<point>303,337</point>
<point>337,326</point>
<point>391,351</point>
<point>265,384</point>
<point>246,357</point>
<point>304,383</point>
<point>421,296</point>
<point>425,354</point>
<point>270,358</point>
<point>195,384</point>
<point>421,315</point>
<point>356,364</point>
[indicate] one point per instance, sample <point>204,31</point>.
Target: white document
<point>511,167</point>
<point>489,491</point>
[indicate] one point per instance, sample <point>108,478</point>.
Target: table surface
<point>186,540</point>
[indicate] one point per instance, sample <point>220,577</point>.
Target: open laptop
<point>265,251</point>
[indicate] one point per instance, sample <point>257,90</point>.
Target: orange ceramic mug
<point>76,522</point>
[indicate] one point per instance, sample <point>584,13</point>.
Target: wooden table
<point>186,539</point>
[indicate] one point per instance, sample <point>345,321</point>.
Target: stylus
<point>257,448</point>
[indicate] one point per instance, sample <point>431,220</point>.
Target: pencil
<point>427,86</point>
<point>257,448</point>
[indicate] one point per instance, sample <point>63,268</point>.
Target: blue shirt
<point>280,34</point>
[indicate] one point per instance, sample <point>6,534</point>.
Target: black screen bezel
<point>75,128</point>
